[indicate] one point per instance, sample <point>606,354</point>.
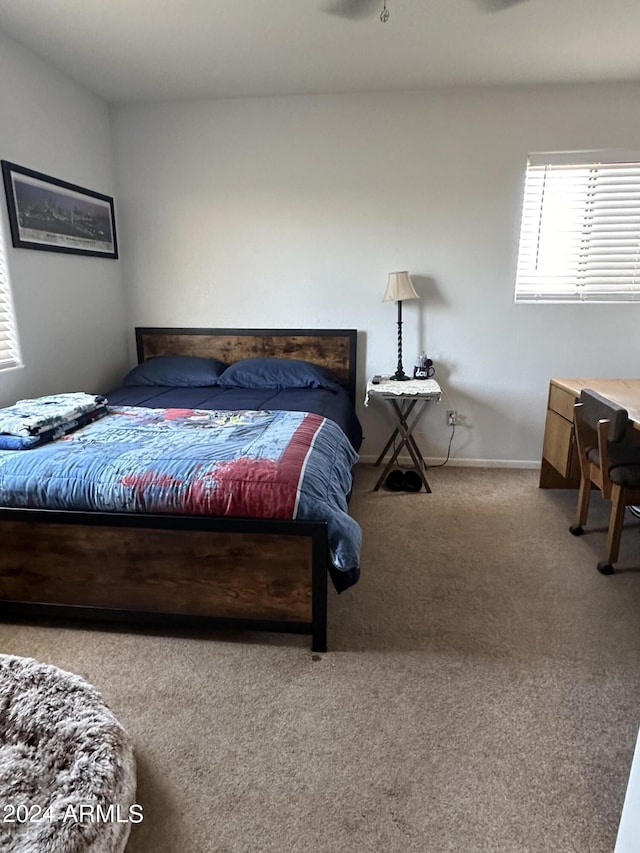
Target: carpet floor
<point>481,692</point>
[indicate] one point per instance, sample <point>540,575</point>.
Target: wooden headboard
<point>331,348</point>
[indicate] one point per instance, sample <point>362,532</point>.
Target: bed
<point>189,567</point>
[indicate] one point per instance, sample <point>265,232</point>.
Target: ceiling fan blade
<point>353,9</point>
<point>498,5</point>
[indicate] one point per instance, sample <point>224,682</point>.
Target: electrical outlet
<point>452,417</point>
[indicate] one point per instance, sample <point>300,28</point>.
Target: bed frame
<point>176,570</point>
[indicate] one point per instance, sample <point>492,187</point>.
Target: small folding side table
<point>404,399</point>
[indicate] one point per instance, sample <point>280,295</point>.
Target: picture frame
<point>56,216</point>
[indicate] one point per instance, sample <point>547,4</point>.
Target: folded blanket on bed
<point>27,442</point>
<point>28,418</point>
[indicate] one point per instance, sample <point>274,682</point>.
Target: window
<point>580,231</point>
<point>9,349</point>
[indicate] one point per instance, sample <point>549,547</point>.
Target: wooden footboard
<point>244,573</point>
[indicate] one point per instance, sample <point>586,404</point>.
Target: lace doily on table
<point>421,387</point>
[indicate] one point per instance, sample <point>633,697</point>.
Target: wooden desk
<point>559,468</point>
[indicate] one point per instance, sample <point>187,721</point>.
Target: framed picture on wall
<point>56,216</point>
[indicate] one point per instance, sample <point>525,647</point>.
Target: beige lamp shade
<point>400,287</point>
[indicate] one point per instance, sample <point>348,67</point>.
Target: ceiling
<point>159,49</point>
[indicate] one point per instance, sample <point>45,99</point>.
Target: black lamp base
<point>399,375</point>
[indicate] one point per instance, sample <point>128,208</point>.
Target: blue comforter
<point>259,464</point>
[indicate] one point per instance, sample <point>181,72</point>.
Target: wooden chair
<point>607,460</point>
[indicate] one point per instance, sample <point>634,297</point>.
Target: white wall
<point>290,212</point>
<point>70,308</point>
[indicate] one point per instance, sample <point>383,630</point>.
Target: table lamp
<point>399,288</point>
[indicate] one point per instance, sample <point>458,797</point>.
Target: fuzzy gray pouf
<point>67,771</point>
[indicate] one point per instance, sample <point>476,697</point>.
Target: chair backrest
<point>596,408</point>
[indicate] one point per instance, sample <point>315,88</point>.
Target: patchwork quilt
<point>258,464</point>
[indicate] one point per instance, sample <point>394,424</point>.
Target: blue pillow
<point>176,371</point>
<point>277,373</point>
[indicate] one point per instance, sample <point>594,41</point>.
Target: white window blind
<point>9,348</point>
<point>580,231</point>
